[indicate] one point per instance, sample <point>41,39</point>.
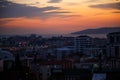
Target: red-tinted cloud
<point>107,6</point>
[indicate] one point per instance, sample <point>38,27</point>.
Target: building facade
<point>113,49</point>
<point>82,42</point>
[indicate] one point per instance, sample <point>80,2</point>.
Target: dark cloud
<point>68,16</point>
<point>107,6</point>
<point>116,12</point>
<point>57,12</point>
<point>54,1</point>
<point>11,10</point>
<point>34,3</point>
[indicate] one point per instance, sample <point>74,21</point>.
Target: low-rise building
<point>62,52</point>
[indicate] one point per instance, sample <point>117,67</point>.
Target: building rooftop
<point>82,36</point>
<point>114,33</point>
<point>64,49</point>
<point>6,55</point>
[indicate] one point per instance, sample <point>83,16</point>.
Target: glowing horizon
<point>57,16</point>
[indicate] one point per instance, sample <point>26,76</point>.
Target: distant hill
<point>105,30</point>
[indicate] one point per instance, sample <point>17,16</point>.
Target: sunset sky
<point>57,16</point>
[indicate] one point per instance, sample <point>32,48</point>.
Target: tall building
<point>114,44</point>
<point>82,42</point>
<point>113,49</point>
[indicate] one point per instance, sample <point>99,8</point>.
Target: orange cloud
<point>61,24</point>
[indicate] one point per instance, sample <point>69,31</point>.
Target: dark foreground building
<point>83,74</point>
<point>17,72</point>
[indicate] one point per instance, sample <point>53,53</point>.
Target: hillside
<point>98,30</point>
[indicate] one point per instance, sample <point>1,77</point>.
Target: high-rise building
<point>114,44</point>
<point>113,49</point>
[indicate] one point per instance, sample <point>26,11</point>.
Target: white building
<point>82,42</point>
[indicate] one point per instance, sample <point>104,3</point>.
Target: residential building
<point>82,42</point>
<point>62,52</point>
<point>113,49</point>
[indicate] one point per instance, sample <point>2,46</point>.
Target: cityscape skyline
<point>59,39</point>
<point>60,58</point>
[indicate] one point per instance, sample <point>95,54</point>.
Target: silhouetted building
<point>6,59</point>
<point>71,74</point>
<point>113,49</point>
